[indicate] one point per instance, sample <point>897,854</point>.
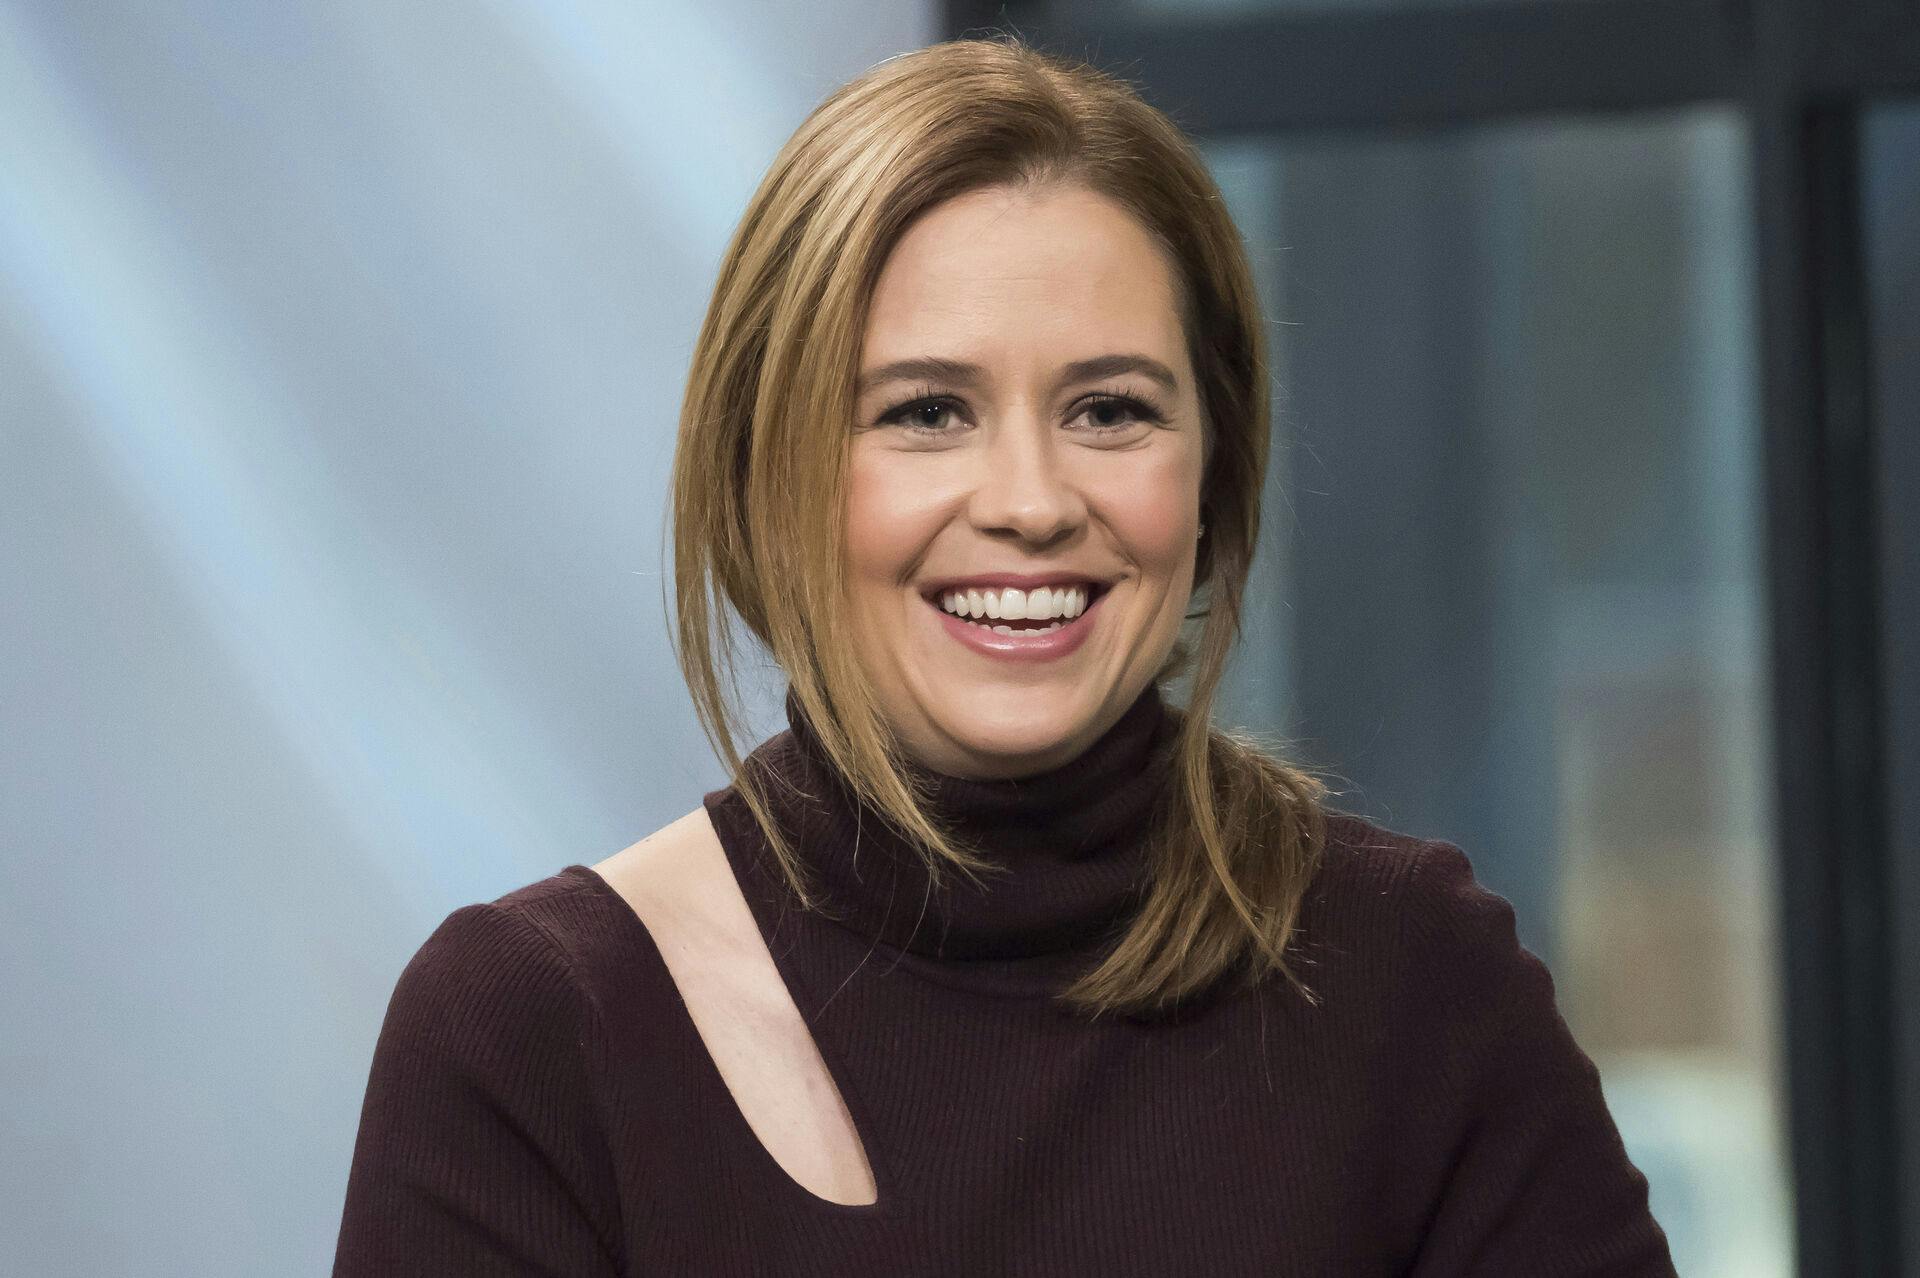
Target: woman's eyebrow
<point>961,373</point>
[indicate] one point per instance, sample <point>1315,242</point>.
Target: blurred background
<point>341,347</point>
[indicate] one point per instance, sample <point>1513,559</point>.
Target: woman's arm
<point>1534,1178</point>
<point>480,1151</point>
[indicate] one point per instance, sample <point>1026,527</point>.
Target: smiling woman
<point>996,960</point>
<point>985,324</point>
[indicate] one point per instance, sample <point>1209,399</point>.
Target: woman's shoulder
<point>486,1052</point>
<point>1364,863</point>
<point>558,933</point>
<point>556,960</point>
<point>1362,856</point>
<point>490,991</point>
<point>663,873</point>
<point>1416,905</point>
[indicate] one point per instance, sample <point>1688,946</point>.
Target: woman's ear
<point>1202,554</point>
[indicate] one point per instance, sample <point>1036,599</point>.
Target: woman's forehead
<point>993,275</point>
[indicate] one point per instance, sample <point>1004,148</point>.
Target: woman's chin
<point>1022,741</point>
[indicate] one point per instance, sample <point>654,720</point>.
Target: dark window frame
<point>1804,72</point>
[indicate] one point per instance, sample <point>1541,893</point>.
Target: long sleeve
<point>480,1150</point>
<point>1534,1176</point>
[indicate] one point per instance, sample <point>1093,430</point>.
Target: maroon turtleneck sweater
<point>541,1101</point>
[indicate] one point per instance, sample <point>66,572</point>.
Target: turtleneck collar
<point>1070,843</point>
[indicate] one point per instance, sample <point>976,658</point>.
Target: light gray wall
<point>340,351</point>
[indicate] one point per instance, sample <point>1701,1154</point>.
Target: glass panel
<point>1892,199</point>
<point>1515,410</point>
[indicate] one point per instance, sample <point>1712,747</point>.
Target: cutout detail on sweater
<point>680,885</point>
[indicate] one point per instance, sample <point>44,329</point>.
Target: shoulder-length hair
<point>759,476</point>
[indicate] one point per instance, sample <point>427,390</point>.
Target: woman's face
<point>1028,451</point>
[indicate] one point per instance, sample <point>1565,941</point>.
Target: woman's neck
<point>1069,845</point>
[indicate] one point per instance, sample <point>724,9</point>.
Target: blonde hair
<point>759,476</point>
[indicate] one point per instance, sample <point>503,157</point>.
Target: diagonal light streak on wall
<point>626,67</point>
<point>168,388</point>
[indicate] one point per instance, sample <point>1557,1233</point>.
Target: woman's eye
<point>1113,412</point>
<point>925,416</point>
<point>928,416</point>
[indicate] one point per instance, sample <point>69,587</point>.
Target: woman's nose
<point>1023,487</point>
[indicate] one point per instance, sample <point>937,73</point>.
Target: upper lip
<point>939,586</point>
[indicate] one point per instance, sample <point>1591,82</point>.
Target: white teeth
<point>1057,603</point>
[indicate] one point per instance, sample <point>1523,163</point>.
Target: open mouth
<point>1012,611</point>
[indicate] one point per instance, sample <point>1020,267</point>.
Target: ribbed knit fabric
<point>541,1103</point>
<point>1068,847</point>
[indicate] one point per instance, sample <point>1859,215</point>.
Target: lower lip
<point>1037,645</point>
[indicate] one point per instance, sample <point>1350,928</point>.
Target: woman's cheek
<point>873,516</point>
<point>893,511</point>
<point>1154,511</point>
